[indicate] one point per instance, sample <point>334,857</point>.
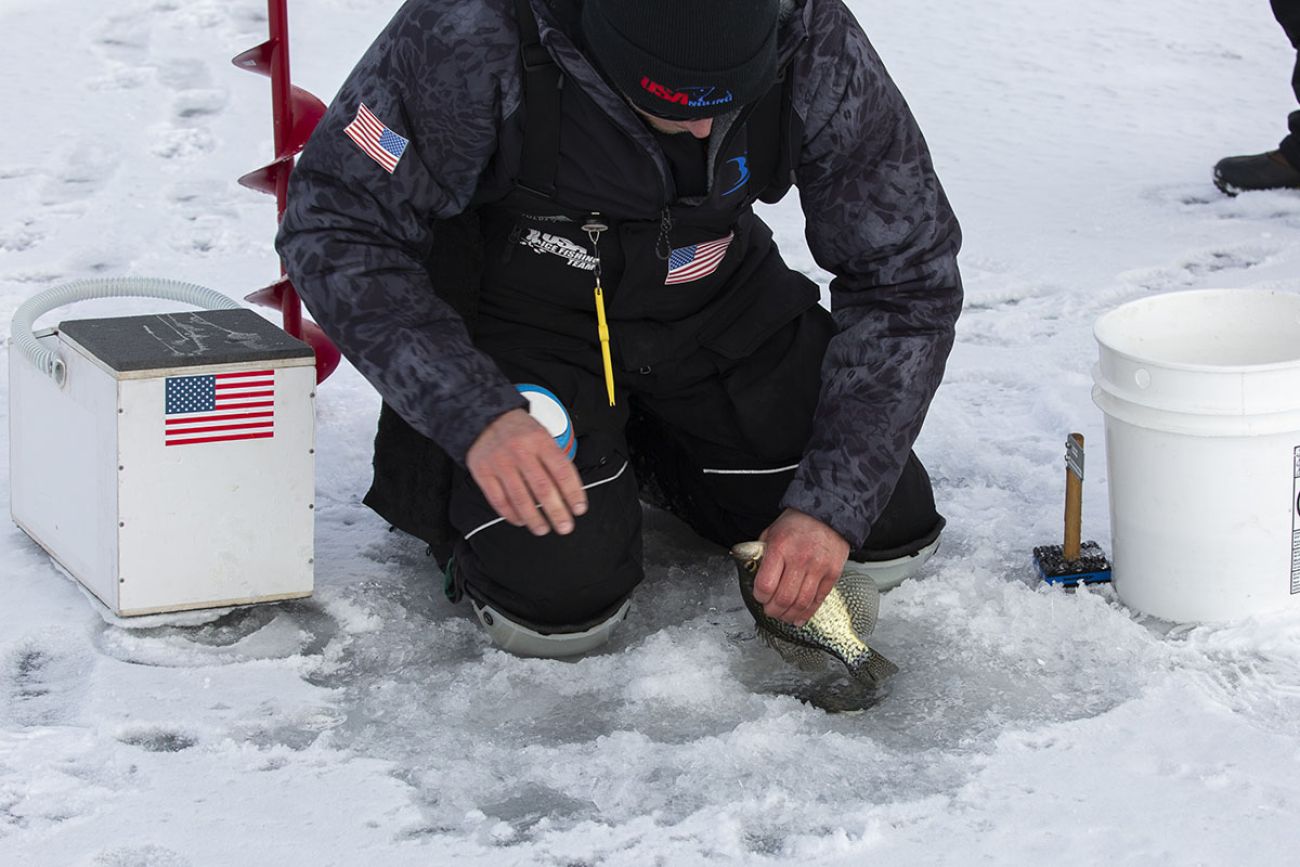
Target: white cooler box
<point>174,469</point>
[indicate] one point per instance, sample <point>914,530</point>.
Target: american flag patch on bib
<point>698,260</point>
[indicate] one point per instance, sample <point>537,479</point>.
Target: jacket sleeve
<point>878,220</point>
<point>355,237</point>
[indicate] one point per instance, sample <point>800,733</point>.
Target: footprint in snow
<point>125,39</point>
<point>83,170</point>
<point>139,856</point>
<point>20,237</point>
<point>183,143</point>
<point>184,73</point>
<point>1270,206</point>
<point>1191,270</point>
<point>1000,297</point>
<point>42,683</point>
<point>199,103</point>
<point>1192,195</point>
<point>1227,260</point>
<point>157,740</point>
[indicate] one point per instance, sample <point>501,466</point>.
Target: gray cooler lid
<point>189,339</point>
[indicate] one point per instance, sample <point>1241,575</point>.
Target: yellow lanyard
<point>593,228</point>
<point>602,327</point>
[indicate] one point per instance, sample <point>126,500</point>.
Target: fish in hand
<point>838,629</point>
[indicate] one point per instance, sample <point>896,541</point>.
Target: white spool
<point>546,408</point>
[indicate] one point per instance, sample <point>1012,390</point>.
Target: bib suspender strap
<point>774,139</point>
<point>543,83</point>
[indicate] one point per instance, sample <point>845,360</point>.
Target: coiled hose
<point>22,326</point>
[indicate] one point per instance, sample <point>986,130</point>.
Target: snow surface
<point>372,724</point>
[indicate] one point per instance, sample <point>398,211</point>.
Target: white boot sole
<point>888,574</point>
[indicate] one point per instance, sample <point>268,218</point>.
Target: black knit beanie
<point>684,59</point>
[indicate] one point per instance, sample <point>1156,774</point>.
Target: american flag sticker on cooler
<point>698,260</point>
<point>219,407</point>
<point>374,137</point>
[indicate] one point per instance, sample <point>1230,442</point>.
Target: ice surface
<point>372,724</point>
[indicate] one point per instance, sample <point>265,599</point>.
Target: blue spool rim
<point>565,438</point>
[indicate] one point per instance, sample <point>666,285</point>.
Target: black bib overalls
<point>716,347</point>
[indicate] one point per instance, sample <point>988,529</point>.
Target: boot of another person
<point>1268,171</point>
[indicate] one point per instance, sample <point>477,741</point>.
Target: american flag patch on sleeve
<point>378,142</point>
<point>698,260</point>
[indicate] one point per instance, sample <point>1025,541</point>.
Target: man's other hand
<point>518,467</point>
<point>802,562</point>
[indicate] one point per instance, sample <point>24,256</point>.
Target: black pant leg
<point>716,440</point>
<point>1287,13</point>
<point>721,453</point>
<point>562,583</point>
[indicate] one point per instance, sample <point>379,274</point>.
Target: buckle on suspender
<point>534,57</point>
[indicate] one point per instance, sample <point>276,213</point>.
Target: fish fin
<point>805,658</point>
<point>872,670</point>
<point>861,596</point>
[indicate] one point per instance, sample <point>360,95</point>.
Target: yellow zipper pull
<point>593,227</point>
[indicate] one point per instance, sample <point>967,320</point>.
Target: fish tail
<point>805,658</point>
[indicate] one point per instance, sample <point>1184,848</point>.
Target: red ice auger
<point>296,113</point>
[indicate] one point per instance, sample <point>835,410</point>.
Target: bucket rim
<point>1226,369</point>
<point>1193,367</point>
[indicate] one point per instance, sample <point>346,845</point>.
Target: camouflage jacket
<point>445,77</point>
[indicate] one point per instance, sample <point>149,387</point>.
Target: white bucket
<point>1201,392</point>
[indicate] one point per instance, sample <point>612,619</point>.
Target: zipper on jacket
<point>664,244</point>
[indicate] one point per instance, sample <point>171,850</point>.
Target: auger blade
<point>306,111</point>
<point>257,59</point>
<point>270,296</point>
<point>267,178</point>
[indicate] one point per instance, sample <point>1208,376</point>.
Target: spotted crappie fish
<point>837,629</point>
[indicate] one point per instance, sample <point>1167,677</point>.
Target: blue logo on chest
<point>742,167</point>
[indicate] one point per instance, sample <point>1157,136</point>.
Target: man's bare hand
<point>518,467</point>
<point>802,562</point>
